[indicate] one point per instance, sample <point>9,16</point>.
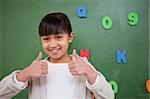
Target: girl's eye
<point>58,37</point>
<point>46,38</point>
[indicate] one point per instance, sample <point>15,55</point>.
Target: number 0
<point>107,22</point>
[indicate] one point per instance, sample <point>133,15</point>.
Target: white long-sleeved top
<point>40,88</point>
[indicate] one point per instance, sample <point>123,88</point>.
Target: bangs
<point>51,27</point>
<point>54,23</point>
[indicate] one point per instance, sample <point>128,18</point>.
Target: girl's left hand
<point>78,67</point>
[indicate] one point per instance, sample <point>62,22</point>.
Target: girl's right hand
<point>37,69</point>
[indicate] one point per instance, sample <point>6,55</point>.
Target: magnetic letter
<point>81,12</point>
<point>121,56</point>
<point>93,97</point>
<point>148,85</point>
<point>84,53</point>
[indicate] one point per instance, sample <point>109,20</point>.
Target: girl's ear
<point>71,36</point>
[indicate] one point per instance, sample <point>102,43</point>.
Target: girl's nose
<point>53,43</point>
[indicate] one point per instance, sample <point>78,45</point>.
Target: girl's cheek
<point>44,45</point>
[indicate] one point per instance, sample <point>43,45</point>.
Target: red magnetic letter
<point>84,53</point>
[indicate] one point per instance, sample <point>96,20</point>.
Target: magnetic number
<point>107,22</point>
<point>114,86</point>
<point>132,18</point>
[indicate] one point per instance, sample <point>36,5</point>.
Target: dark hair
<point>55,23</point>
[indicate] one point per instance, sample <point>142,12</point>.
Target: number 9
<point>132,18</point>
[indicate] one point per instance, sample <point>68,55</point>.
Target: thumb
<point>74,54</point>
<point>39,56</point>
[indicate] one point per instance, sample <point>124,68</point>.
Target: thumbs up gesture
<point>35,70</point>
<point>79,67</point>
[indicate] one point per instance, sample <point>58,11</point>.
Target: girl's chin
<point>55,57</point>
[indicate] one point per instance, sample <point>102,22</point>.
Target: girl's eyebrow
<point>59,34</point>
<point>45,36</point>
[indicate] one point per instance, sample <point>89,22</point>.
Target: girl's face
<point>56,46</point>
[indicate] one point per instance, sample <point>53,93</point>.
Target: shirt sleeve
<point>101,88</point>
<point>10,86</point>
<point>19,84</point>
<point>98,84</point>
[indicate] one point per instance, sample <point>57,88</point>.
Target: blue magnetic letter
<point>81,12</point>
<point>121,56</point>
